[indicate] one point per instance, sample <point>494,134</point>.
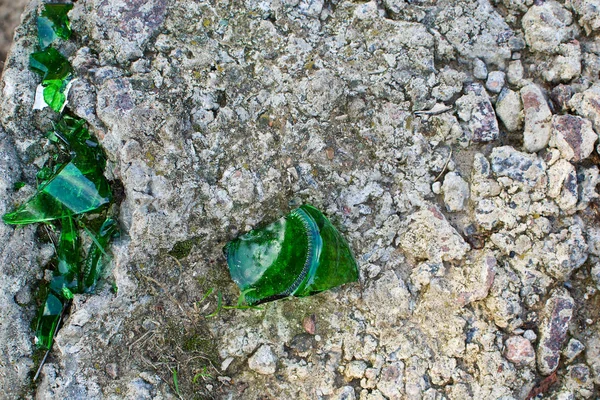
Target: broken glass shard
<point>53,23</point>
<point>56,75</point>
<point>68,193</point>
<point>50,64</point>
<point>76,187</point>
<point>68,250</point>
<point>299,255</point>
<point>97,254</point>
<point>47,321</point>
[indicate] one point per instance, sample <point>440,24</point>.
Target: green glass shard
<point>298,255</point>
<point>68,193</point>
<point>68,250</point>
<point>96,254</point>
<point>56,75</point>
<point>50,64</point>
<point>53,23</point>
<point>76,187</point>
<point>47,321</point>
<point>55,93</point>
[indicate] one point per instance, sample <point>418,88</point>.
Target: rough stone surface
<point>456,192</point>
<point>519,350</point>
<point>509,109</point>
<point>537,119</point>
<point>573,136</point>
<point>474,239</point>
<point>263,361</point>
<point>558,312</point>
<point>476,110</point>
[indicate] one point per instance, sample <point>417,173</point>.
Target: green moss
<point>182,249</point>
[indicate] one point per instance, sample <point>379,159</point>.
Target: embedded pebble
<point>573,350</point>
<point>573,136</point>
<point>456,192</point>
<point>476,110</point>
<point>519,350</point>
<point>557,312</point>
<point>263,361</point>
<point>479,69</point>
<point>495,81</point>
<point>537,119</point>
<point>510,109</point>
<point>515,73</point>
<point>355,370</point>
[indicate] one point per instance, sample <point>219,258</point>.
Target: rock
<point>430,236</point>
<point>450,83</point>
<point>263,361</point>
<point>388,291</point>
<point>479,69</point>
<point>519,351</point>
<point>527,169</point>
<point>562,184</point>
<point>476,109</point>
<point>573,136</point>
<point>355,370</point>
<point>563,252</point>
<point>112,370</point>
<point>566,65</point>
<point>557,315</point>
<point>456,192</point>
<point>561,95</point>
<point>547,24</point>
<point>530,335</point>
<point>510,109</point>
<point>537,119</point>
<point>587,11</point>
<point>515,73</point>
<point>579,380</point>
<point>391,380</point>
<point>573,350</point>
<point>346,393</point>
<point>495,81</point>
<point>587,105</point>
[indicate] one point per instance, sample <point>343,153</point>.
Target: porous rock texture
<point>219,116</point>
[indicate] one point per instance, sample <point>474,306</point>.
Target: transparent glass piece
<point>299,255</point>
<point>53,23</point>
<point>47,321</point>
<point>94,261</point>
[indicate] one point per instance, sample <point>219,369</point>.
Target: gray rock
<point>515,73</point>
<point>510,109</point>
<point>355,370</point>
<point>587,11</point>
<point>495,81</point>
<point>476,109</point>
<point>446,245</point>
<point>479,69</point>
<point>561,95</point>
<point>391,380</point>
<point>456,192</point>
<point>573,350</point>
<point>537,117</point>
<point>557,312</point>
<point>573,136</point>
<point>587,104</point>
<point>527,169</point>
<point>566,65</point>
<point>547,24</point>
<point>263,360</point>
<point>562,184</point>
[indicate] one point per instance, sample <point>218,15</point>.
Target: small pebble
<point>495,81</point>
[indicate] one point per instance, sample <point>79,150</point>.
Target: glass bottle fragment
<point>53,23</point>
<point>299,255</point>
<point>48,321</point>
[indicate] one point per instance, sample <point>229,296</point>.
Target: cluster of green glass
<point>299,255</point>
<point>56,72</point>
<point>71,187</point>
